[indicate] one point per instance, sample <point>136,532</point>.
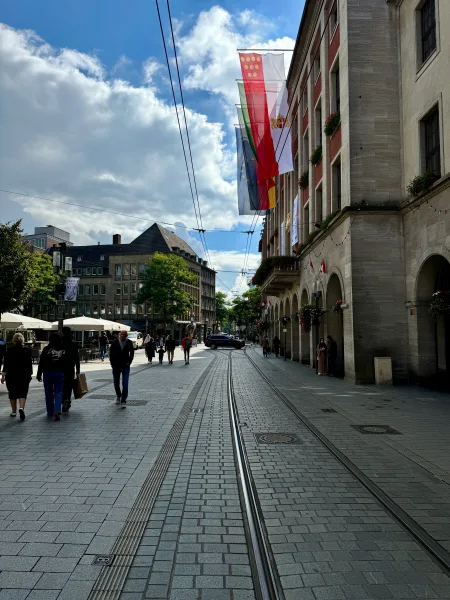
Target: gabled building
<point>109,281</point>
<point>369,86</point>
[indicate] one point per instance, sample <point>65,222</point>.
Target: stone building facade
<point>357,237</point>
<point>109,282</point>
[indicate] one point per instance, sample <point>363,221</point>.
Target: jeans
<point>53,386</point>
<point>125,372</point>
<point>102,351</point>
<point>186,356</point>
<point>69,379</point>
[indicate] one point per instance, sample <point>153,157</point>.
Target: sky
<point>87,118</point>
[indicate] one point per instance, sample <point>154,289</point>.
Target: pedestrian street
<point>235,477</point>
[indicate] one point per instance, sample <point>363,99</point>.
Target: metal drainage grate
<point>328,410</point>
<point>105,560</point>
<point>197,410</point>
<point>136,402</point>
<point>277,438</point>
<point>109,380</point>
<point>376,429</point>
<point>101,397</point>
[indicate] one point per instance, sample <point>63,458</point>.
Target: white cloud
<point>150,67</point>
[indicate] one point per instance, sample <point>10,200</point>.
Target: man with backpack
<point>186,342</point>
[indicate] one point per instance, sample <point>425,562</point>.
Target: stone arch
<point>433,337</point>
<point>295,328</point>
<point>335,321</point>
<point>305,353</point>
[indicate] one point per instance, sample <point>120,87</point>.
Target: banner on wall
<point>282,239</point>
<point>71,289</point>
<point>294,225</point>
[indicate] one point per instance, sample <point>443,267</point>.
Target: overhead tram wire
<point>112,212</point>
<point>201,230</point>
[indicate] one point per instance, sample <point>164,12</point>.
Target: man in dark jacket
<point>72,364</point>
<point>121,354</point>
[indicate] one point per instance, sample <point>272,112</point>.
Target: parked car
<point>137,339</point>
<point>223,341</point>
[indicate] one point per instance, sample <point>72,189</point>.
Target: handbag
<point>80,387</point>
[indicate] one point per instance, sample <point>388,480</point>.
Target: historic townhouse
<point>109,282</point>
<point>369,85</point>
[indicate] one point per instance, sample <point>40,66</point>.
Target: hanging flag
<point>266,104</point>
<point>311,267</point>
<point>295,222</point>
<point>248,196</point>
<point>71,292</point>
<point>323,268</point>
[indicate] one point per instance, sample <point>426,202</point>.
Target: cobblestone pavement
<point>71,490</point>
<point>413,466</point>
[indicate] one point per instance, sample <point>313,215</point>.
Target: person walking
<point>321,357</point>
<point>2,351</point>
<point>186,343</point>
<point>161,353</point>
<point>52,367</point>
<point>170,347</point>
<point>265,346</point>
<point>276,345</point>
<point>150,348</point>
<point>103,341</point>
<point>331,356</point>
<point>121,355</point>
<point>71,367</point>
<point>17,372</point>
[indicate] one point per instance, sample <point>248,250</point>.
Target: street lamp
<point>317,295</point>
<point>285,321</point>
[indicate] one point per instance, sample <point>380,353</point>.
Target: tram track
<point>258,541</point>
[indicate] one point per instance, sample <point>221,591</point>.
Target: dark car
<point>223,341</point>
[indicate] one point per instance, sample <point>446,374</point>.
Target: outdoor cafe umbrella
<point>83,324</point>
<point>14,321</point>
<point>113,326</point>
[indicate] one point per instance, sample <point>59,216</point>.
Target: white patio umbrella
<point>13,321</point>
<point>83,324</point>
<point>113,326</point>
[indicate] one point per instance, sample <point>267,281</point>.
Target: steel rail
<point>262,563</point>
<point>422,537</point>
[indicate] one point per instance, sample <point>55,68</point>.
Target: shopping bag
<point>80,387</point>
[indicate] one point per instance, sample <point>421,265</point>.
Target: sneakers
<point>22,414</point>
<point>13,414</point>
<point>118,400</point>
<point>123,404</point>
<point>66,406</point>
<point>57,417</point>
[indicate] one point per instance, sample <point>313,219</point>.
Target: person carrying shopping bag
<point>52,366</point>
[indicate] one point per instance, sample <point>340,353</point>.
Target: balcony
<point>277,273</point>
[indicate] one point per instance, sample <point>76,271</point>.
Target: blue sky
<point>112,40</point>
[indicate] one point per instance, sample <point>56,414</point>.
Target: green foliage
<point>316,156</point>
<point>310,315</point>
<point>222,308</point>
<point>44,282</point>
<point>16,268</point>
<point>246,309</point>
<point>270,263</point>
<point>162,287</point>
<point>332,123</point>
<point>421,183</point>
<point>303,182</point>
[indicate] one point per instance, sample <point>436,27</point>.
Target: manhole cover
<point>136,402</point>
<point>277,438</point>
<point>328,410</point>
<point>106,560</point>
<point>376,429</point>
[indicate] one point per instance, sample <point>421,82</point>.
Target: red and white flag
<point>323,268</point>
<point>311,267</point>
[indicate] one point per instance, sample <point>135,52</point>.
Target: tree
<point>44,282</point>
<point>222,308</point>
<point>246,309</point>
<point>16,268</point>
<point>162,281</point>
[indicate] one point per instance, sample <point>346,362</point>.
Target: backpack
<point>188,344</point>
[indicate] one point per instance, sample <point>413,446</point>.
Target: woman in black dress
<point>18,370</point>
